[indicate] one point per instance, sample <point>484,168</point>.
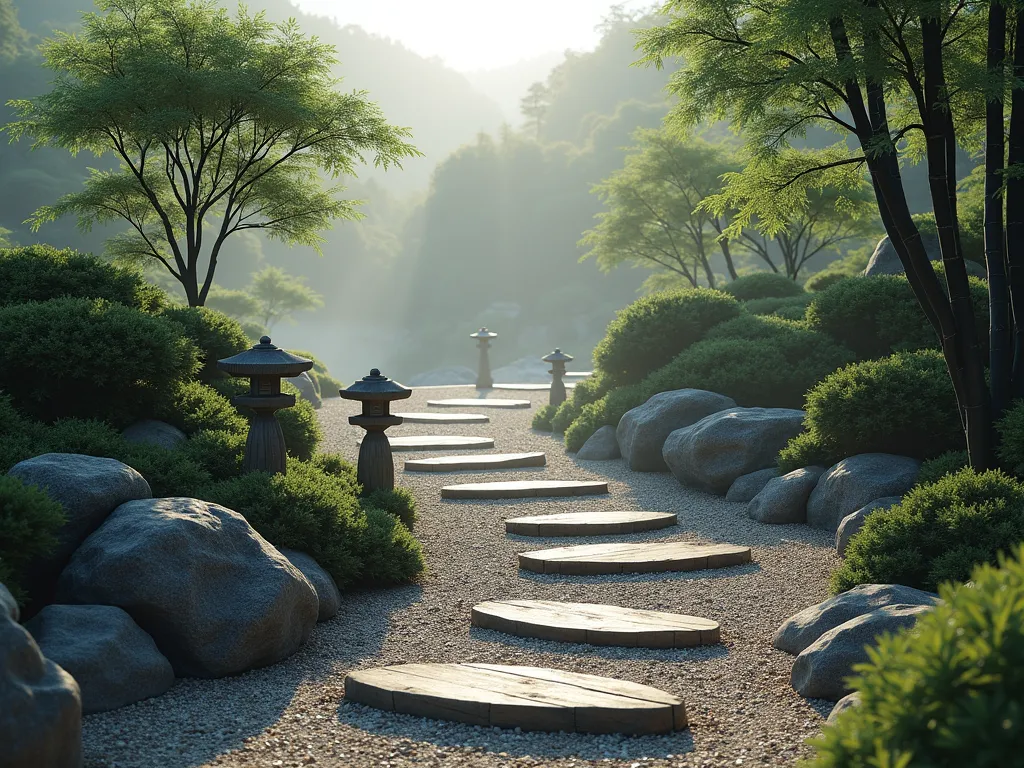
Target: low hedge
<point>608,410</point>
<point>29,521</point>
<point>789,308</point>
<point>216,335</point>
<point>398,502</point>
<point>542,418</point>
<point>763,285</point>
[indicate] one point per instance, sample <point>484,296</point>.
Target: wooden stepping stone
<point>487,461</point>
<point>595,624</point>
<point>639,557</point>
<point>530,387</point>
<point>523,489</point>
<point>531,698</point>
<point>436,442</point>
<point>457,402</point>
<point>577,374</point>
<point>589,523</point>
<point>444,418</point>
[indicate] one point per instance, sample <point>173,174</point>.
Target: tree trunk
<point>1015,209</point>
<point>727,253</point>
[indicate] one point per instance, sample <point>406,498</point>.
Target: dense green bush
<point>194,406</point>
<point>90,359</point>
<point>608,410</point>
<point>398,502</point>
<point>542,418</point>
<point>791,307</point>
<point>387,551</point>
<point>18,436</point>
<point>326,385</point>
<point>564,416</point>
<point>819,281</point>
<point>651,331</point>
<point>948,463</point>
<point>301,427</point>
<point>950,692</point>
<point>29,521</point>
<point>218,451</point>
<point>938,533</point>
<point>1011,439</point>
<point>903,404</point>
<point>215,334</point>
<point>590,390</point>
<point>763,285</point>
<point>41,272</point>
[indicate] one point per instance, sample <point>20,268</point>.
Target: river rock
<point>153,432</point>
<point>854,521</point>
<point>600,446</point>
<point>849,701</point>
<point>784,499</point>
<point>746,487</point>
<point>854,482</point>
<point>885,261</point>
<point>327,592</point>
<point>307,389</point>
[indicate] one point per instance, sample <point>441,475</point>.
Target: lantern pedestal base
<point>265,449</point>
<point>376,470</point>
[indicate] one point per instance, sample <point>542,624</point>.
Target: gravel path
<point>742,709</point>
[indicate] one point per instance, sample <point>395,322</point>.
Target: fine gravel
<point>742,708</point>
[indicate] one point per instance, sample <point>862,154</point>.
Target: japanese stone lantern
<point>558,359</point>
<point>376,468</point>
<point>265,365</point>
<point>483,374</point>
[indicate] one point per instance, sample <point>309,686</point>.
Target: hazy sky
<point>476,34</point>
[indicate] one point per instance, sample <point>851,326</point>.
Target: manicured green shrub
<point>819,281</point>
<point>194,406</point>
<point>302,431</point>
<point>18,436</point>
<point>41,272</point>
<point>336,465</point>
<point>29,521</point>
<point>763,285</point>
<point>542,418</point>
<point>792,307</point>
<point>948,463</point>
<point>388,552</point>
<point>650,332</point>
<point>804,450</point>
<point>88,358</point>
<point>938,533</point>
<point>168,472</point>
<point>215,334</point>
<point>218,451</point>
<point>948,693</point>
<point>564,416</point>
<point>1011,439</point>
<point>608,410</point>
<point>902,404</point>
<point>327,386</point>
<point>398,502</point>
<point>590,390</point>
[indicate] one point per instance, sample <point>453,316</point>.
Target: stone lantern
<point>376,468</point>
<point>558,359</point>
<point>483,375</point>
<point>265,365</point>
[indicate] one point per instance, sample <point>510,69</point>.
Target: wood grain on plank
<point>445,418</point>
<point>633,557</point>
<point>523,489</point>
<point>485,461</point>
<point>589,523</point>
<point>458,402</point>
<point>436,442</point>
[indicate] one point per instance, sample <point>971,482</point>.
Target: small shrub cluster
<point>948,463</point>
<point>763,285</point>
<point>819,281</point>
<point>542,418</point>
<point>398,502</point>
<point>789,308</point>
<point>29,521</point>
<point>216,335</point>
<point>326,385</point>
<point>608,410</point>
<point>1011,439</point>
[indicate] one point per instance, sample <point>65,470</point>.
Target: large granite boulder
<point>642,431</point>
<point>849,701</point>
<point>113,661</point>
<point>854,521</point>
<point>600,446</point>
<point>799,631</point>
<point>40,706</point>
<point>307,389</point>
<point>88,488</point>
<point>153,432</point>
<point>746,487</point>
<point>326,590</point>
<point>216,597</point>
<point>885,261</point>
<point>784,499</point>
<point>821,669</point>
<point>854,482</point>
<point>711,454</point>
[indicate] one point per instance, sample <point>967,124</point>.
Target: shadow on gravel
<point>711,573</point>
<point>523,744</point>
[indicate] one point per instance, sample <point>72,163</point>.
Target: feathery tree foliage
<point>220,126</point>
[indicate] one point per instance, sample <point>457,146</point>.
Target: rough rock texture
<point>458,374</point>
<point>799,631</point>
<point>854,482</point>
<point>113,661</point>
<point>718,449</point>
<point>821,669</point>
<point>40,707</point>
<point>8,605</point>
<point>153,432</point>
<point>307,389</point>
<point>642,431</point>
<point>216,597</point>
<point>854,521</point>
<point>746,487</point>
<point>849,701</point>
<point>326,590</point>
<point>600,446</point>
<point>784,499</point>
<point>89,489</point>
<point>885,261</point>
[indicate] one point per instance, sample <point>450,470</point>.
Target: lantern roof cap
<point>265,359</point>
<point>376,386</point>
<point>483,333</point>
<point>558,356</point>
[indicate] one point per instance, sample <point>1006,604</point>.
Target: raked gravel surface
<point>741,706</point>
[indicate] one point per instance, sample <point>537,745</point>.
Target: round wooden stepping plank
<point>523,489</point>
<point>589,523</point>
<point>595,624</point>
<point>531,698</point>
<point>444,418</point>
<point>577,374</point>
<point>487,461</point>
<point>638,557</point>
<point>437,442</point>
<point>530,387</point>
<point>497,402</point>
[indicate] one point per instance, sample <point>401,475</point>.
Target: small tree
<point>219,125</point>
<point>279,294</point>
<point>534,107</point>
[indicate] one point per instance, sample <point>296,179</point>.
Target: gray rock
<point>784,499</point>
<point>600,446</point>
<point>153,432</point>
<point>113,661</point>
<point>327,592</point>
<point>216,597</point>
<point>642,431</point>
<point>854,521</point>
<point>718,449</point>
<point>307,389</point>
<point>8,605</point>
<point>854,482</point>
<point>746,487</point>
<point>458,374</point>
<point>849,701</point>
<point>821,669</point>
<point>88,488</point>
<point>885,261</point>
<point>801,630</point>
<point>40,706</point>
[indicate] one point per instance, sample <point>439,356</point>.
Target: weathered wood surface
<point>444,418</point>
<point>496,402</point>
<point>531,698</point>
<point>633,557</point>
<point>530,387</point>
<point>589,523</point>
<point>492,461</point>
<point>437,442</point>
<point>523,489</point>
<point>595,624</point>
